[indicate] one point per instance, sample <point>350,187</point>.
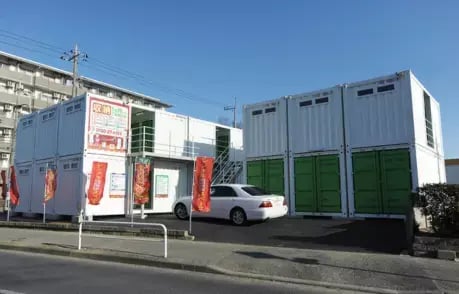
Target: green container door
<point>274,176</point>
<point>267,174</point>
<point>328,183</point>
<point>255,173</point>
<point>367,198</point>
<point>317,184</point>
<point>305,200</point>
<point>396,181</point>
<point>382,181</point>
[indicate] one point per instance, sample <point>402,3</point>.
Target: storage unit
<point>358,149</point>
<point>72,135</point>
<point>452,171</point>
<point>25,134</point>
<point>265,129</point>
<point>316,142</point>
<point>393,142</point>
<point>268,174</point>
<point>24,178</point>
<point>46,134</point>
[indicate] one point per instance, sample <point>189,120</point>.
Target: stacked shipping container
<point>352,150</point>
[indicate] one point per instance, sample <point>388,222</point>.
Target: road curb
<point>104,229</point>
<point>164,263</point>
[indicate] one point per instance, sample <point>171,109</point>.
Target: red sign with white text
<point>202,181</point>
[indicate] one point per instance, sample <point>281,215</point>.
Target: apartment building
<point>27,86</point>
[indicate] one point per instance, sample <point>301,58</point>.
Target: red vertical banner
<point>97,182</point>
<point>14,189</point>
<point>201,185</point>
<point>3,175</point>
<point>50,184</point>
<point>142,181</point>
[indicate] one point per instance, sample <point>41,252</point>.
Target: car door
<point>221,198</point>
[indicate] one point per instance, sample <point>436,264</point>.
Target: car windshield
<point>254,191</point>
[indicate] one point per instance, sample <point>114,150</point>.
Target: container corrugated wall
<point>25,138</point>
<point>72,123</point>
<point>203,134</point>
<point>265,129</point>
<point>46,136</point>
<point>378,112</point>
<point>171,134</point>
<point>315,121</point>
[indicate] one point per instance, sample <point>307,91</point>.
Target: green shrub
<point>440,203</point>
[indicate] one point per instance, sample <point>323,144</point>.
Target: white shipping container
<point>237,146</point>
<point>315,121</point>
<point>46,135</point>
<point>379,112</point>
<point>203,135</point>
<point>72,126</point>
<point>25,138</point>
<point>171,134</point>
<point>169,181</point>
<point>113,199</point>
<point>265,129</point>
<point>38,187</point>
<point>70,182</point>
<point>24,179</point>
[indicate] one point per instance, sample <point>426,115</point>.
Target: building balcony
<point>22,77</point>
<point>46,84</point>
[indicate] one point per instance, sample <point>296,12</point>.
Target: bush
<point>440,203</point>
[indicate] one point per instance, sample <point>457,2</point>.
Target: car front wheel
<point>180,211</point>
<point>238,216</point>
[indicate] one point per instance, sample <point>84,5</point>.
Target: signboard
<point>117,185</point>
<point>201,186</point>
<point>162,186</point>
<point>97,182</point>
<point>142,181</point>
<point>108,126</point>
<point>50,184</point>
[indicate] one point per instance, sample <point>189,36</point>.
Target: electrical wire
<point>106,67</point>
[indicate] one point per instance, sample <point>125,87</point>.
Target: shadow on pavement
<point>385,236</point>
<point>310,261</point>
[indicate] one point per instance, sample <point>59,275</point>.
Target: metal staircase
<point>225,170</point>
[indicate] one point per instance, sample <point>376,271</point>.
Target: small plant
<point>440,202</point>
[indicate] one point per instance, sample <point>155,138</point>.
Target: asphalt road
<point>372,235</point>
<point>33,273</point>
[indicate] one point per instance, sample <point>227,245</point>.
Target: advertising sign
<point>202,180</point>
<point>97,182</point>
<point>117,185</point>
<point>50,184</point>
<point>108,126</point>
<point>162,186</point>
<point>142,181</point>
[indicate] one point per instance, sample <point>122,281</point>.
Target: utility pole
<point>233,108</point>
<point>74,55</point>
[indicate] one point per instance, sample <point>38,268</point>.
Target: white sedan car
<point>238,203</point>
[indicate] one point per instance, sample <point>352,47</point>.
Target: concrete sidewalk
<point>366,272</point>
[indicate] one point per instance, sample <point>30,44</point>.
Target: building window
<point>272,109</point>
<point>428,119</point>
<point>386,88</point>
<point>365,92</point>
<point>306,103</point>
<point>322,100</point>
<point>257,112</point>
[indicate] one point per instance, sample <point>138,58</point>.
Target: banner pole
<point>7,201</point>
<point>192,185</point>
<point>132,191</point>
<point>44,196</point>
<point>8,208</point>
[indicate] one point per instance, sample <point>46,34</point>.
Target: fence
<point>80,232</point>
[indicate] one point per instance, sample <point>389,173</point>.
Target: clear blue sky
<point>252,50</point>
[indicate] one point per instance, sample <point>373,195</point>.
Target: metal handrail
<point>80,231</point>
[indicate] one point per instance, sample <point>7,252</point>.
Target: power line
<point>75,56</point>
<point>106,66</point>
